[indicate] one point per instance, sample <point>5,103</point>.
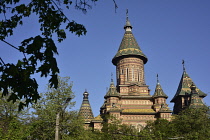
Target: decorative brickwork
<point>130,100</point>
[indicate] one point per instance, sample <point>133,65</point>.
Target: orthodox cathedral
<point>130,100</point>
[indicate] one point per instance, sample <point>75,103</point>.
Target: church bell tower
<point>129,62</point>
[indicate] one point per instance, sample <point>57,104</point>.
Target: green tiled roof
<point>85,110</point>
<point>159,91</point>
<point>184,87</point>
<point>129,46</point>
<point>112,91</point>
<point>195,100</point>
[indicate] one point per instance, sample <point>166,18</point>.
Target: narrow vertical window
<point>133,74</point>
<point>139,75</point>
<point>127,74</point>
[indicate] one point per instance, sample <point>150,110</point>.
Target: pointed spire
<point>159,91</point>
<point>112,91</point>
<point>126,14</point>
<point>157,80</point>
<point>112,77</point>
<point>184,86</point>
<point>85,109</point>
<point>183,65</point>
<point>129,45</point>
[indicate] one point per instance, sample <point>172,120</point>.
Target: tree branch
<point>59,9</point>
<point>115,6</point>
<point>15,48</point>
<point>10,44</point>
<point>2,61</point>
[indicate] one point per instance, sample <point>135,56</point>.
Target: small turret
<point>160,98</point>
<point>159,91</point>
<point>195,100</point>
<point>112,92</point>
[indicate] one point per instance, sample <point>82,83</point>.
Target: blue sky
<point>166,30</point>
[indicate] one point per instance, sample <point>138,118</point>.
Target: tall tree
<point>53,102</point>
<point>191,123</point>
<point>115,130</point>
<point>38,51</point>
<point>12,121</point>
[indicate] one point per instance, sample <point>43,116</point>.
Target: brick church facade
<point>130,99</point>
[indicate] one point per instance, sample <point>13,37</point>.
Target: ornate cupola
<point>182,97</point>
<point>85,110</point>
<point>129,61</point>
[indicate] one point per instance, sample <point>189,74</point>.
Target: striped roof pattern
<point>112,90</point>
<point>184,87</point>
<point>85,110</point>
<point>159,91</point>
<point>129,46</point>
<point>195,100</point>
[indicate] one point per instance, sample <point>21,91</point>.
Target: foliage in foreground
<point>38,52</point>
<point>190,124</point>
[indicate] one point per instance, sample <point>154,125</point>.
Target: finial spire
<point>183,65</point>
<point>157,79</point>
<point>126,15</point>
<point>127,26</point>
<point>111,77</point>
